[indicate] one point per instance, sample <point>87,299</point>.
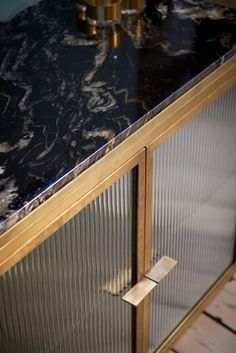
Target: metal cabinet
<point>176,198</point>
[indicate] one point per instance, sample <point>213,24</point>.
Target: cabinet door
<point>194,211</point>
<point>65,296</point>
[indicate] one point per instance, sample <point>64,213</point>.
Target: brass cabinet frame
<point>136,150</point>
<point>197,106</point>
<point>206,299</point>
<point>136,163</point>
<point>61,207</point>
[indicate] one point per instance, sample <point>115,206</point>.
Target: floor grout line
<point>219,321</point>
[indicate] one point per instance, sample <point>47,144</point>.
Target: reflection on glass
<point>194,209</point>
<point>65,297</point>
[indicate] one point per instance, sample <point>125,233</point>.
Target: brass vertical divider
<point>144,246</point>
<point>148,241</point>
<point>218,285</point>
<point>140,249</point>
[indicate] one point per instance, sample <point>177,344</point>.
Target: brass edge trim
<point>139,317</point>
<point>197,310</point>
<point>36,233</point>
<point>216,88</point>
<point>25,235</point>
<point>140,247</point>
<point>148,245</point>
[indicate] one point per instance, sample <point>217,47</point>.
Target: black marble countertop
<point>68,96</point>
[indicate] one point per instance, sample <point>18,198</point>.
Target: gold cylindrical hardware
<point>112,34</point>
<point>132,4</point>
<point>136,294</point>
<point>103,12</point>
<point>114,39</point>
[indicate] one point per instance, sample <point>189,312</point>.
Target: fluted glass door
<point>194,212</point>
<point>65,296</point>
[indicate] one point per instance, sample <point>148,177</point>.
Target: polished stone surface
<point>68,96</point>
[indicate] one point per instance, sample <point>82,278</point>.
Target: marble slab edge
<point>110,145</point>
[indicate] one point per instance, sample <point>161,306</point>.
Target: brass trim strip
<point>56,211</point>
<point>140,246</point>
<point>197,107</point>
<point>148,246</point>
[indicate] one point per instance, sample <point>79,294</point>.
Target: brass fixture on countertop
<point>102,13</point>
<point>111,19</point>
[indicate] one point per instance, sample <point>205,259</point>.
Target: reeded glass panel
<point>194,211</point>
<point>65,296</point>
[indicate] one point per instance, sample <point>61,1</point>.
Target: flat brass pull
<point>136,294</point>
<point>161,269</point>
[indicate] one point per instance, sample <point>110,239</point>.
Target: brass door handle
<point>150,280</point>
